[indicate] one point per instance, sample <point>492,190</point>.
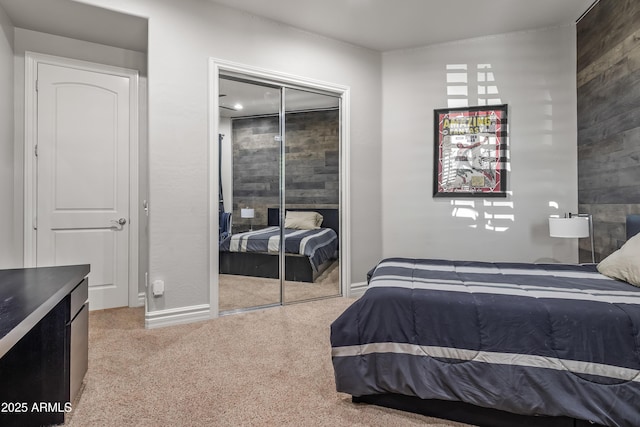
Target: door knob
<point>118,223</point>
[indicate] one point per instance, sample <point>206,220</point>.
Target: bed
<point>496,344</point>
<point>308,253</point>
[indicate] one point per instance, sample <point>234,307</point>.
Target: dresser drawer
<point>79,296</point>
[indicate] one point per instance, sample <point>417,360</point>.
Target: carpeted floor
<point>238,292</point>
<point>267,368</point>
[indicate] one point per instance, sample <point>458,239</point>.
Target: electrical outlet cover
<point>158,287</point>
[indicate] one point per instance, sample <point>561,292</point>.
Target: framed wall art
<point>470,145</point>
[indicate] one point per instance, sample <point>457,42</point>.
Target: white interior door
<point>83,132</point>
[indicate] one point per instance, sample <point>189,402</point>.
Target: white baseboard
<point>141,299</point>
<point>357,289</point>
<point>177,316</point>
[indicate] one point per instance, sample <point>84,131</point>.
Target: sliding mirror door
<point>280,181</point>
<point>249,271</point>
<point>311,195</point>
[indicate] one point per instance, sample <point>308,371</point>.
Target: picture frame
<point>470,146</point>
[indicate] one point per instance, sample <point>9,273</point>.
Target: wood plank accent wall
<point>312,164</point>
<point>608,82</point>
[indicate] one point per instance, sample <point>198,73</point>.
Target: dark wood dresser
<point>43,343</point>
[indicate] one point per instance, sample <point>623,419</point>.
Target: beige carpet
<point>236,292</point>
<point>267,368</point>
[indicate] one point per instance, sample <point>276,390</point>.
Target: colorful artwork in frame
<point>470,145</point>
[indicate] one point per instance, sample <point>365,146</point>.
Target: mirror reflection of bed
<point>249,261</point>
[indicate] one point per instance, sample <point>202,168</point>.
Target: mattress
<point>318,245</point>
<point>531,339</point>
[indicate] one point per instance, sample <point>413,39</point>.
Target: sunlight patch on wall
<point>465,209</point>
<point>461,84</point>
<point>487,88</point>
<point>457,85</point>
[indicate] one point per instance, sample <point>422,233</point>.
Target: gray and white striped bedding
<point>318,245</point>
<point>533,339</point>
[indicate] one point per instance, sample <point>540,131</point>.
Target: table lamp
<point>573,226</point>
<point>248,213</point>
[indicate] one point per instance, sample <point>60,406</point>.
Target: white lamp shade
<point>247,213</point>
<point>574,227</point>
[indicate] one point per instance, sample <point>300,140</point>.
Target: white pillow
<point>624,264</point>
<point>302,220</point>
<point>319,219</point>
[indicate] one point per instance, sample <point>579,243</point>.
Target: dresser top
<point>28,294</point>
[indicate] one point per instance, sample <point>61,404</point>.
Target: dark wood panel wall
<point>311,163</point>
<point>608,82</point>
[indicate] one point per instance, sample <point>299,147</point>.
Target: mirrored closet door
<point>311,195</point>
<point>279,182</point>
<point>249,268</point>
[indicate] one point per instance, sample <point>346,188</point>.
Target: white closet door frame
<point>32,60</point>
<point>219,66</point>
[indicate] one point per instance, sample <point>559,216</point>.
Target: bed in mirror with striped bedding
<point>496,344</point>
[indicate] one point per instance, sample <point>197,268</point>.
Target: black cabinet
<point>43,343</point>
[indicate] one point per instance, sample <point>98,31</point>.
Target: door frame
<point>220,66</point>
<point>32,59</point>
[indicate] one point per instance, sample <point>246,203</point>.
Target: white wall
<point>9,258</point>
<point>182,37</point>
<point>535,75</point>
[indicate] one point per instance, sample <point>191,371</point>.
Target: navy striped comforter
<point>318,245</point>
<point>533,339</point>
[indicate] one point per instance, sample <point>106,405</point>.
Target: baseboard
<point>177,316</point>
<point>357,289</point>
<point>141,299</point>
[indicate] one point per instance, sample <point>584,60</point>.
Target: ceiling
<point>80,21</point>
<point>384,25</point>
<point>379,25</point>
